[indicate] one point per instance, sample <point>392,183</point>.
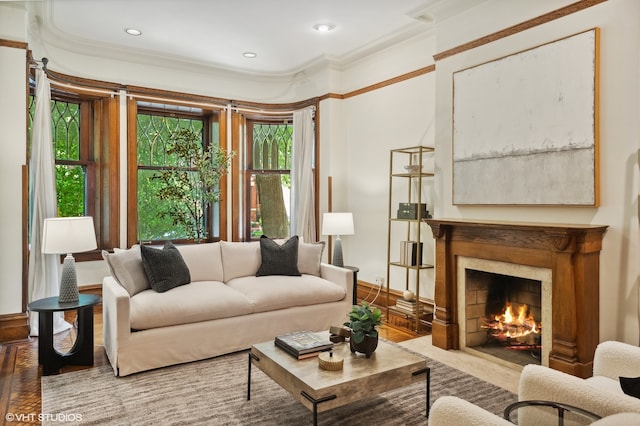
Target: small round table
<point>82,351</point>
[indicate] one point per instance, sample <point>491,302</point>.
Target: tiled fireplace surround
<point>565,258</point>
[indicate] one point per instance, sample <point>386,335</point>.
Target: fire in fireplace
<point>513,330</point>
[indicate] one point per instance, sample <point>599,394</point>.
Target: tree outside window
<point>157,156</point>
<point>269,148</point>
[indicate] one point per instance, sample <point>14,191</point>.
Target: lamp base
<point>337,253</point>
<point>68,281</point>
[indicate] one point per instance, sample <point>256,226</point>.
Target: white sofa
<point>224,308</point>
<point>600,394</point>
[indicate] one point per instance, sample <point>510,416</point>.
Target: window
<point>75,177</point>
<point>84,136</point>
<point>155,125</point>
<point>268,178</point>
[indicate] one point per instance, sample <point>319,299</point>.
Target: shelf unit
<point>408,187</point>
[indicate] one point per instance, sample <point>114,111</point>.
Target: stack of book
<point>303,344</point>
<point>409,253</point>
<point>408,306</point>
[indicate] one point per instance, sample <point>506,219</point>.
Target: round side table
<point>82,351</point>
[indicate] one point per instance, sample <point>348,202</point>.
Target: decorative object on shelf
<point>337,224</point>
<point>67,235</point>
<point>411,211</point>
<point>363,321</point>
<point>330,361</point>
<point>408,295</point>
<point>409,253</point>
<point>413,168</point>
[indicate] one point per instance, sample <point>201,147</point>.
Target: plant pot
<point>367,346</point>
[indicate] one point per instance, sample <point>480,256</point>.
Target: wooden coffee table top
<point>389,367</point>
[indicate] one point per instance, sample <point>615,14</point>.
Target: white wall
<point>13,146</point>
<point>619,137</point>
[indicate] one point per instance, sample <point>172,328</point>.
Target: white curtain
<point>43,268</point>
<point>303,221</point>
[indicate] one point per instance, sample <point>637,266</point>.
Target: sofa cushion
<point>194,302</point>
<point>240,259</point>
<point>165,267</point>
<point>604,383</point>
<point>203,260</point>
<point>278,259</point>
<point>279,291</point>
<point>126,267</point>
<point>310,257</point>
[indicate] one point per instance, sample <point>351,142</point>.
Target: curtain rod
<point>260,111</point>
<point>68,84</point>
<point>173,101</point>
<point>63,82</point>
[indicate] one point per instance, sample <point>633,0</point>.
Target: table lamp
<point>68,235</point>
<point>337,224</point>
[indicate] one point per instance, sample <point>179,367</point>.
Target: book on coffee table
<point>302,356</point>
<point>300,343</point>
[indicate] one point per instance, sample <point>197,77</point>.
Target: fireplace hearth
<point>570,255</point>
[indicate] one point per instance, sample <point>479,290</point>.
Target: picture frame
<point>525,127</point>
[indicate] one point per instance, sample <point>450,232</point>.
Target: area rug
<point>214,392</point>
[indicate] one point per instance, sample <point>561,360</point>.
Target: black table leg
<point>251,356</point>
<point>45,339</point>
<point>80,354</point>
<point>82,351</point>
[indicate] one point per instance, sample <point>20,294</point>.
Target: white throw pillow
<point>310,257</point>
<point>240,259</point>
<point>126,267</point>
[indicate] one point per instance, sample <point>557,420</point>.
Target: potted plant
<point>363,321</point>
<point>191,185</point>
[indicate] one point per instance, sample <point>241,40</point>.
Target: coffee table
<point>389,367</point>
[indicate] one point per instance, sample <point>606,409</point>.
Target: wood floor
<point>20,374</point>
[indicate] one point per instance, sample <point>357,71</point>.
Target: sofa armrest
<point>116,325</point>
<point>451,410</point>
<point>341,276</point>
<point>542,383</point>
<point>614,359</point>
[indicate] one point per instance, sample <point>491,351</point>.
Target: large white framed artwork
<point>525,127</point>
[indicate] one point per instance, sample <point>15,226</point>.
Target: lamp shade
<point>337,224</point>
<point>65,235</point>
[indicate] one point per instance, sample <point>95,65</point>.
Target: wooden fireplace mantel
<point>572,252</point>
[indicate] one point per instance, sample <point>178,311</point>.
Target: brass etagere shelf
<point>413,227</point>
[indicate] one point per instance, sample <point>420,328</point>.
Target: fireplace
<point>564,258</point>
<point>507,310</point>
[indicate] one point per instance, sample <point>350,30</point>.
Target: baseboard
<point>14,327</point>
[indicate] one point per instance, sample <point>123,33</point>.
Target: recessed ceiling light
<point>249,54</point>
<point>324,28</point>
<point>133,31</point>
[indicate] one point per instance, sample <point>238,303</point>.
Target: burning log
<point>511,330</point>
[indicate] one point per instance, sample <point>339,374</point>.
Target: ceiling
<point>216,33</point>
